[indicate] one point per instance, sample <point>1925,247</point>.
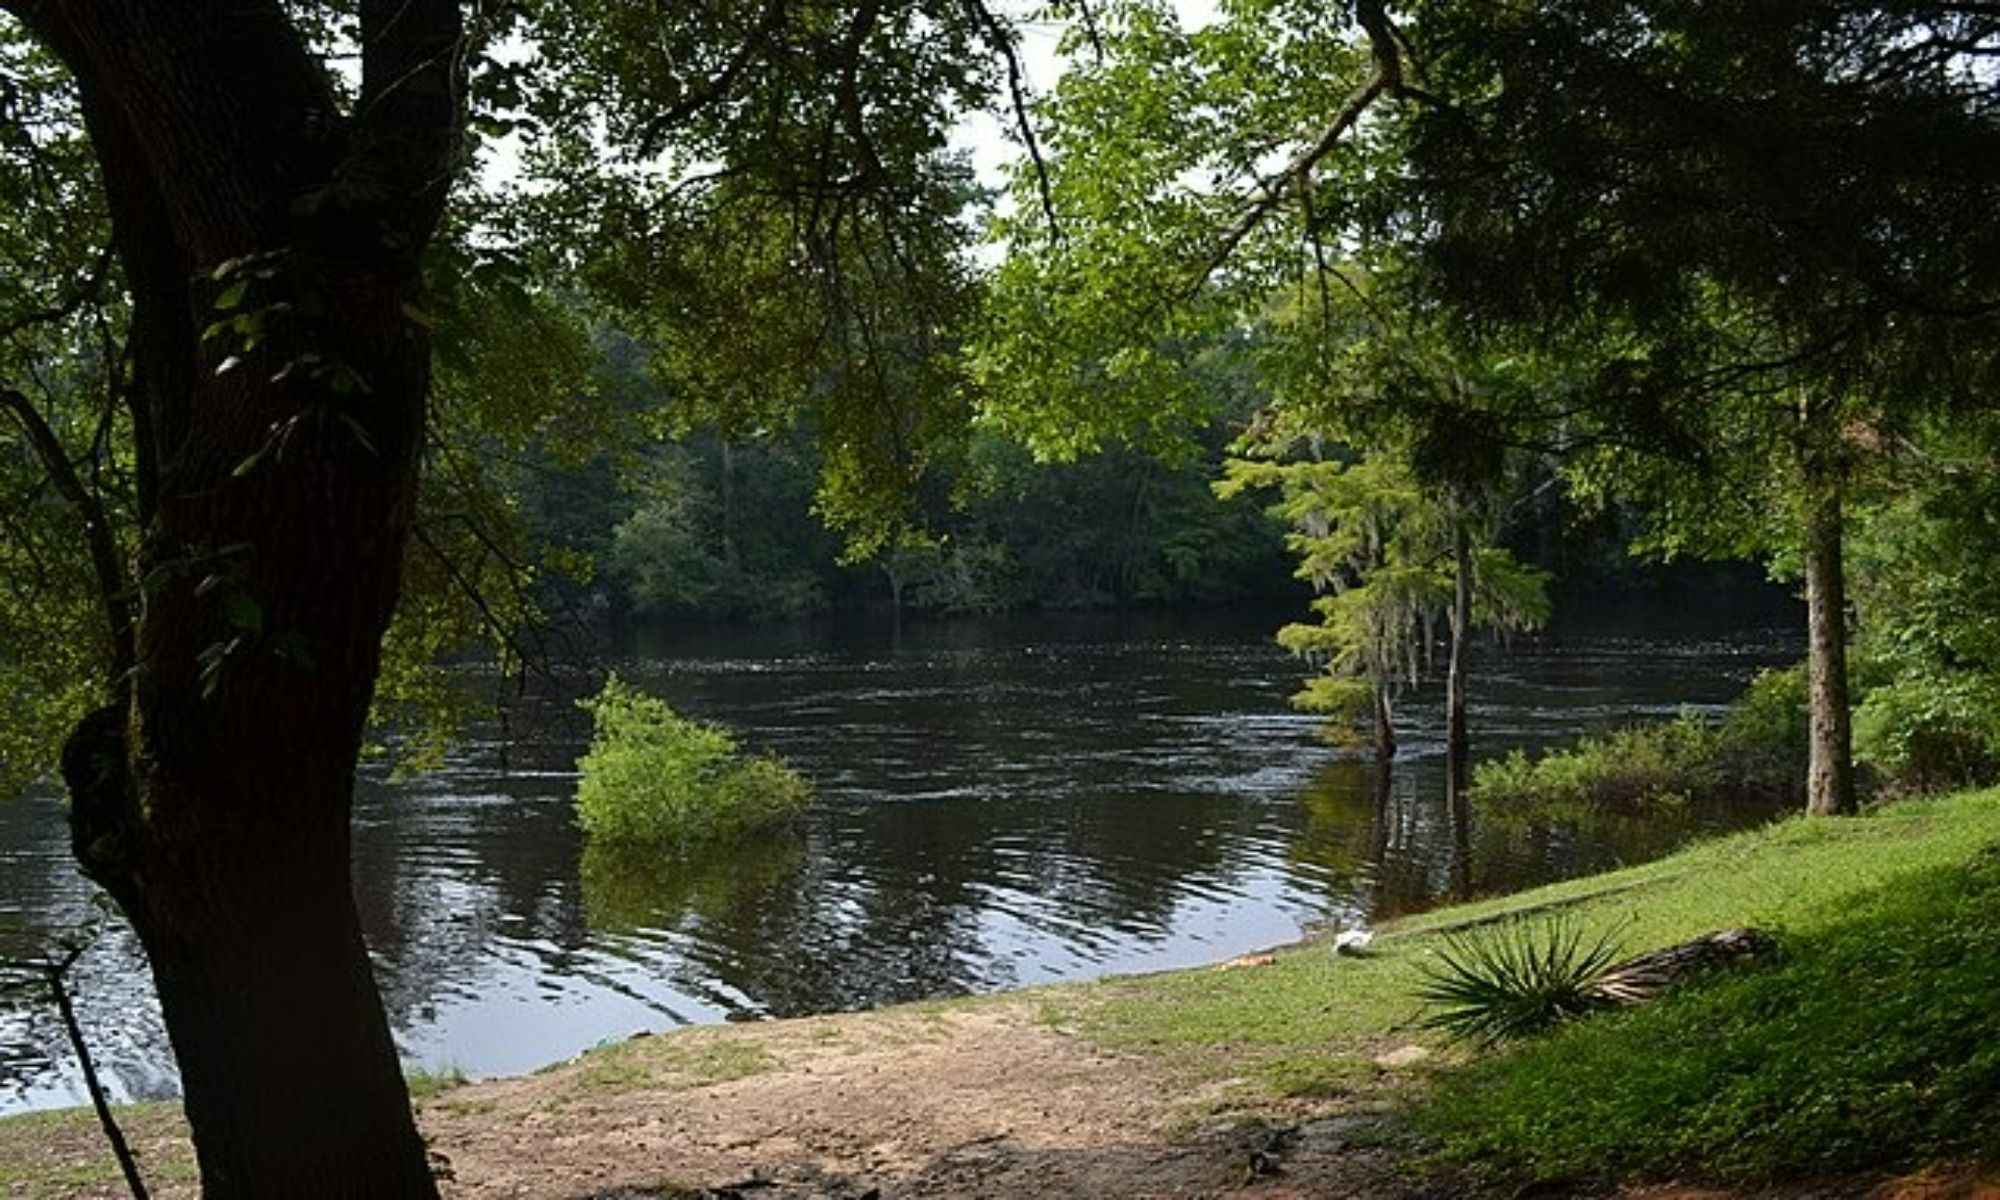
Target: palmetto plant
<point>1515,979</point>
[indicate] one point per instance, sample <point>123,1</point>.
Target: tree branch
<point>411,112</point>
<point>1002,41</point>
<point>656,130</point>
<point>104,557</point>
<point>1385,44</point>
<point>849,95</point>
<point>52,971</point>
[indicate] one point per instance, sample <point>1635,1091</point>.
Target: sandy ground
<point>982,1101</point>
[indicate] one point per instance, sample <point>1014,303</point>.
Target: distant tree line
<point>703,527</point>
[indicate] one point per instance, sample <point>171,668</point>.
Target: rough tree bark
<point>212,799</point>
<point>1830,763</point>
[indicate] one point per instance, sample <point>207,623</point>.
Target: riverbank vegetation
<point>1756,749</point>
<point>1880,1013</point>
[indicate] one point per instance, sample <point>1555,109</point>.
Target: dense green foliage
<point>1874,1044</point>
<point>1757,747</point>
<point>652,776</point>
<point>1926,565</point>
<point>699,527</point>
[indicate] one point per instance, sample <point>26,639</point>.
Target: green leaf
<point>243,612</point>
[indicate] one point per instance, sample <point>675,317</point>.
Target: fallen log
<point>1641,978</point>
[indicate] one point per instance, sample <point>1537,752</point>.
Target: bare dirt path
<point>959,1101</point>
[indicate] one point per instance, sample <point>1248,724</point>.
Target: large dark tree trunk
<point>1830,764</point>
<point>277,485</point>
<point>289,1075</point>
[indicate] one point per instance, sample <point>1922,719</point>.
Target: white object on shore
<point>1352,941</point>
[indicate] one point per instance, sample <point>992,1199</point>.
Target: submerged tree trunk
<point>1385,728</point>
<point>277,485</point>
<point>1830,769</point>
<point>1381,785</point>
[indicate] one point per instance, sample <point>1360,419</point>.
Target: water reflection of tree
<point>1382,844</point>
<point>1526,845</point>
<point>1346,827</point>
<point>626,889</point>
<point>905,928</point>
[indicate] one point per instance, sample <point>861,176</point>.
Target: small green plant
<point>1514,979</point>
<point>425,1082</point>
<point>652,776</point>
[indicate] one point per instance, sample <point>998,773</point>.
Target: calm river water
<point>1000,803</point>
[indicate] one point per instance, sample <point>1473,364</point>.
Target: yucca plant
<point>1515,979</point>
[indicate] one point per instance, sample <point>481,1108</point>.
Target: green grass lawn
<point>1872,1043</point>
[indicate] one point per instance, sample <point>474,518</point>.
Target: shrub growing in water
<point>653,776</point>
<point>1758,748</point>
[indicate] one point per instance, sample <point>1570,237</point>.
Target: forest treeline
<point>700,527</point>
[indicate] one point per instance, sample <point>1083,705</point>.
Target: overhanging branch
<point>1386,47</point>
<point>1002,41</point>
<point>104,557</point>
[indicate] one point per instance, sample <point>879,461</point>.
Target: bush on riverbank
<point>1759,748</point>
<point>652,776</point>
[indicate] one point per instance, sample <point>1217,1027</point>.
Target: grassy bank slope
<point>1873,1043</point>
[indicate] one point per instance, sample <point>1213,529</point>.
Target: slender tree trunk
<point>1385,729</point>
<point>728,504</point>
<point>1458,744</point>
<point>1830,770</point>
